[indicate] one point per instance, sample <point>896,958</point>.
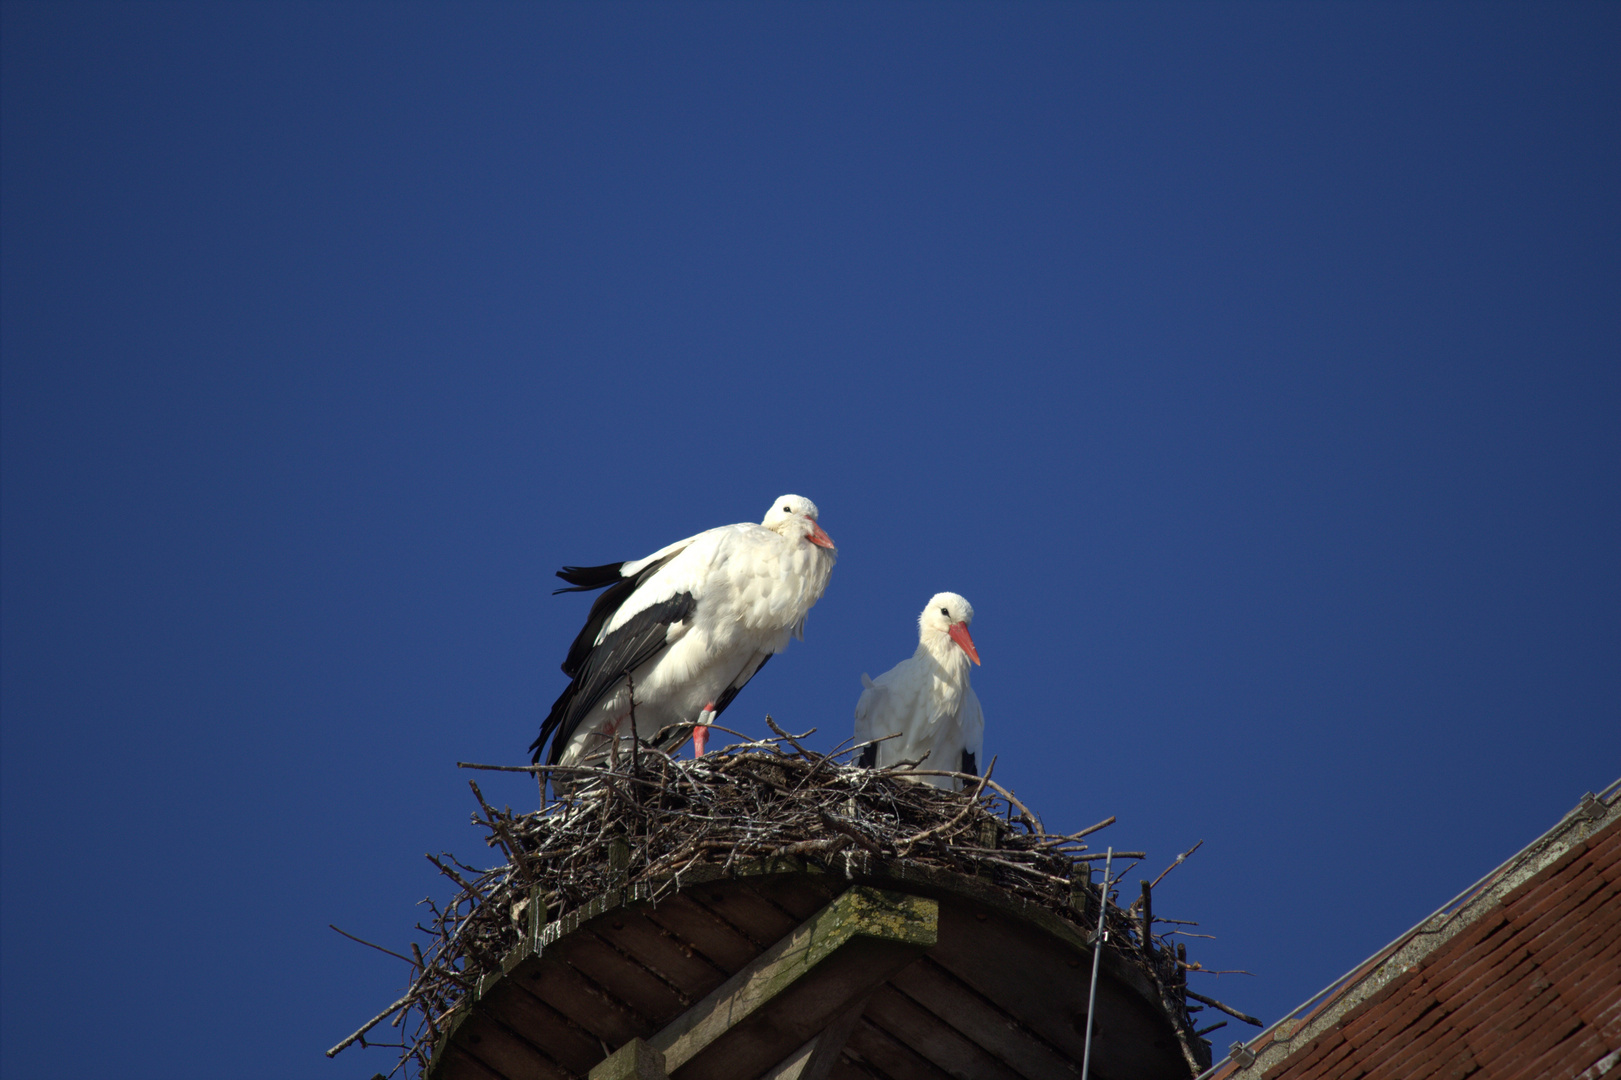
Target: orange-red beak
<point>959,634</point>
<point>818,537</point>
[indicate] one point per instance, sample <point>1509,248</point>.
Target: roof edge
<point>1329,1005</point>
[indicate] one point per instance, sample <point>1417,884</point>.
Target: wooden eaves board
<point>940,976</point>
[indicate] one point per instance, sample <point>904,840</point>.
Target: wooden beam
<point>633,1061</point>
<point>815,1060</point>
<point>800,985</point>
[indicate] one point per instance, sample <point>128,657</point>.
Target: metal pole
<point>1097,955</point>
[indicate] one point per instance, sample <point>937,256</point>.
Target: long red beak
<point>959,634</point>
<point>818,537</point>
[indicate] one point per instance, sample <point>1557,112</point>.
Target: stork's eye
<point>946,613</point>
<point>786,510</point>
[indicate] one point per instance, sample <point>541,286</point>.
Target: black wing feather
<point>586,578</point>
<point>620,653</point>
<point>968,764</point>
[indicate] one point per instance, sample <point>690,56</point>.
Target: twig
<point>1180,859</point>
<point>973,804</point>
<point>368,944</point>
<point>1228,1009</point>
<point>793,740</point>
<point>864,745</point>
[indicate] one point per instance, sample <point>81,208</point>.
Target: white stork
<point>680,632</point>
<point>927,700</point>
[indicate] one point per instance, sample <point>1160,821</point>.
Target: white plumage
<point>686,627</point>
<point>926,700</point>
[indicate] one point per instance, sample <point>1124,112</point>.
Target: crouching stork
<point>926,701</point>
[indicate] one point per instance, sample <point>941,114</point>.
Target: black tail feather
<point>587,578</point>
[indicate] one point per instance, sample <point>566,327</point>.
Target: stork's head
<point>948,615</point>
<point>794,516</point>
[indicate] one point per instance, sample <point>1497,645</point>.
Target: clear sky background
<point>1255,370</point>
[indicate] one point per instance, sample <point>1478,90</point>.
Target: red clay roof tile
<point>1532,988</point>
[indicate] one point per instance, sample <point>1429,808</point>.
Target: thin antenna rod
<point>1097,955</point>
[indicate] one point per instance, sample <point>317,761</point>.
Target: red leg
<point>700,734</point>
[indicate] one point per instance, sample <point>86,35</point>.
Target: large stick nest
<point>651,818</point>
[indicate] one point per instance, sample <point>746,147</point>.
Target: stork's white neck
<point>947,665</point>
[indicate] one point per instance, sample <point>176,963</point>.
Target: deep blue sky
<point>1255,370</point>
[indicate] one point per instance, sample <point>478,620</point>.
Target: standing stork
<point>680,632</point>
<point>926,700</point>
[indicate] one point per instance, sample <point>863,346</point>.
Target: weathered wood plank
<point>847,1069</point>
<point>573,1047</point>
<point>760,920</point>
<point>706,932</point>
<point>940,884</point>
<point>793,989</point>
<point>801,895</point>
<point>888,1056</point>
<point>585,1003</point>
<point>940,992</point>
<point>623,977</point>
<point>673,959</point>
<point>1046,988</point>
<point>458,1064</point>
<point>505,1053</point>
<point>816,1059</point>
<point>934,1038</point>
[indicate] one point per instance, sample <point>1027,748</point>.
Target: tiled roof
<point>1518,976</point>
<point>1531,989</point>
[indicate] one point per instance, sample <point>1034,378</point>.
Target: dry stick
<point>1169,1006</point>
<point>1228,1009</point>
<point>503,836</point>
<point>451,874</point>
<point>864,745</point>
<point>842,826</point>
<point>1090,829</point>
<point>379,948</point>
<point>793,740</point>
<point>585,770</point>
<point>1013,800</point>
<point>838,747</point>
<point>410,996</point>
<point>747,740</point>
<point>1026,869</point>
<point>973,804</point>
<point>1057,840</point>
<point>1179,860</point>
<point>1138,855</point>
